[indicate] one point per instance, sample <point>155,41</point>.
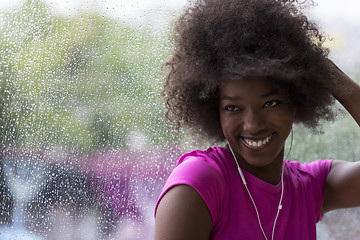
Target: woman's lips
<point>258,143</point>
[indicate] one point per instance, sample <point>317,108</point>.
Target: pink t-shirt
<point>213,174</point>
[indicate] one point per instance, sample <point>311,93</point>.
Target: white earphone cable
<point>247,189</point>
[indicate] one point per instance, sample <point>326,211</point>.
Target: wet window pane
<point>84,147</point>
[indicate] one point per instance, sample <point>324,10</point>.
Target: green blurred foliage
<point>80,82</point>
<point>336,140</point>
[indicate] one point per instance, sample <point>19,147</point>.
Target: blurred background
<point>84,148</point>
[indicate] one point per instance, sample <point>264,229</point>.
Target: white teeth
<point>259,143</point>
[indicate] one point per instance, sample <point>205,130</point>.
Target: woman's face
<point>255,120</point>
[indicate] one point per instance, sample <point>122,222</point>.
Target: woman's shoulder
<point>212,155</point>
<point>315,171</point>
<point>312,167</point>
<point>203,171</point>
<point>214,159</point>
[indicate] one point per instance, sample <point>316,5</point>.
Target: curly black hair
<point>220,40</point>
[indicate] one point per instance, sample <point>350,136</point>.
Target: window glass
<point>84,148</point>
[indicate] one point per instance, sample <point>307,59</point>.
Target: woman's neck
<point>270,173</point>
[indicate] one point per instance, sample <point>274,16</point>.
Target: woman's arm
<point>182,215</point>
<point>342,188</point>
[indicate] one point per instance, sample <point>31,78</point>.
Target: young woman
<point>243,72</point>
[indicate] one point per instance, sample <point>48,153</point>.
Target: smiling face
<point>255,120</point>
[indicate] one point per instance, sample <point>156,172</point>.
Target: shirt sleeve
<point>203,177</point>
<point>319,170</point>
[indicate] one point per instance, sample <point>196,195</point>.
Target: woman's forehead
<point>245,81</point>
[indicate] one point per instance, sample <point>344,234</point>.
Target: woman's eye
<point>232,108</point>
<point>271,104</point>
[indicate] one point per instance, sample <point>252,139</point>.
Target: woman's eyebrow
<point>229,98</point>
<point>265,95</point>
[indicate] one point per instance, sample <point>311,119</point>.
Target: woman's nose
<point>253,121</point>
